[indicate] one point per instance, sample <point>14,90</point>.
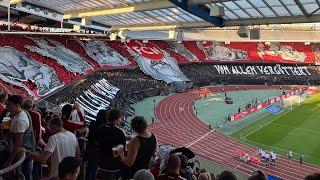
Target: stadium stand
<point>74,76</point>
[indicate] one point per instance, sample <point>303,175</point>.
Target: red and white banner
<point>265,104</point>
<point>155,62</point>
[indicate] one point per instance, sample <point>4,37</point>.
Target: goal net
<point>292,101</point>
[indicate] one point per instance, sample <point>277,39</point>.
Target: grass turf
<point>297,130</point>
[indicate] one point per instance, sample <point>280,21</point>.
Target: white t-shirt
<point>61,145</point>
<point>19,123</point>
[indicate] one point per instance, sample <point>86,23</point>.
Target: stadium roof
<point>183,13</point>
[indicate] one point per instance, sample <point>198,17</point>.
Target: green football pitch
<point>297,130</point>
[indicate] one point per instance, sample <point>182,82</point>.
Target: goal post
<point>292,101</point>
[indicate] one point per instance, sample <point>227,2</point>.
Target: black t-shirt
<point>109,136</point>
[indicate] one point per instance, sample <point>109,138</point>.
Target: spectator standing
<point>68,124</point>
<point>60,145</point>
<point>141,148</point>
<point>108,136</point>
<point>22,134</point>
<point>173,168</point>
<point>28,105</point>
<point>92,150</point>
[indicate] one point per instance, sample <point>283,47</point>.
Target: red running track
<point>177,125</point>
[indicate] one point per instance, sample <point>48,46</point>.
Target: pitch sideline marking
<point>194,142</point>
<point>302,129</point>
<point>260,127</point>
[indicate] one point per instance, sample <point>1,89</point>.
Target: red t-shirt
<point>36,124</point>
<point>72,126</point>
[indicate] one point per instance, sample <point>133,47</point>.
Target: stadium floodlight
<point>255,33</point>
<point>122,34</point>
<point>243,31</point>
<point>113,36</point>
<point>217,11</point>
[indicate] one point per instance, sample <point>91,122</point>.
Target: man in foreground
<point>60,145</point>
<point>173,168</point>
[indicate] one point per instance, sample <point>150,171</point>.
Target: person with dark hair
<point>315,176</point>
<point>109,136</point>
<point>69,168</point>
<point>227,175</point>
<point>258,175</point>
<point>140,149</point>
<point>92,150</point>
<point>173,168</point>
<point>68,124</point>
<point>60,145</point>
<point>22,134</point>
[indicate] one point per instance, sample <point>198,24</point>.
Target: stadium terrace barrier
<point>14,166</point>
<point>265,104</point>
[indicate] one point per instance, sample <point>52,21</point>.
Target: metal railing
<point>14,166</point>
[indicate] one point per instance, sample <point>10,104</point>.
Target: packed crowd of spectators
<point>131,83</point>
<point>57,140</point>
